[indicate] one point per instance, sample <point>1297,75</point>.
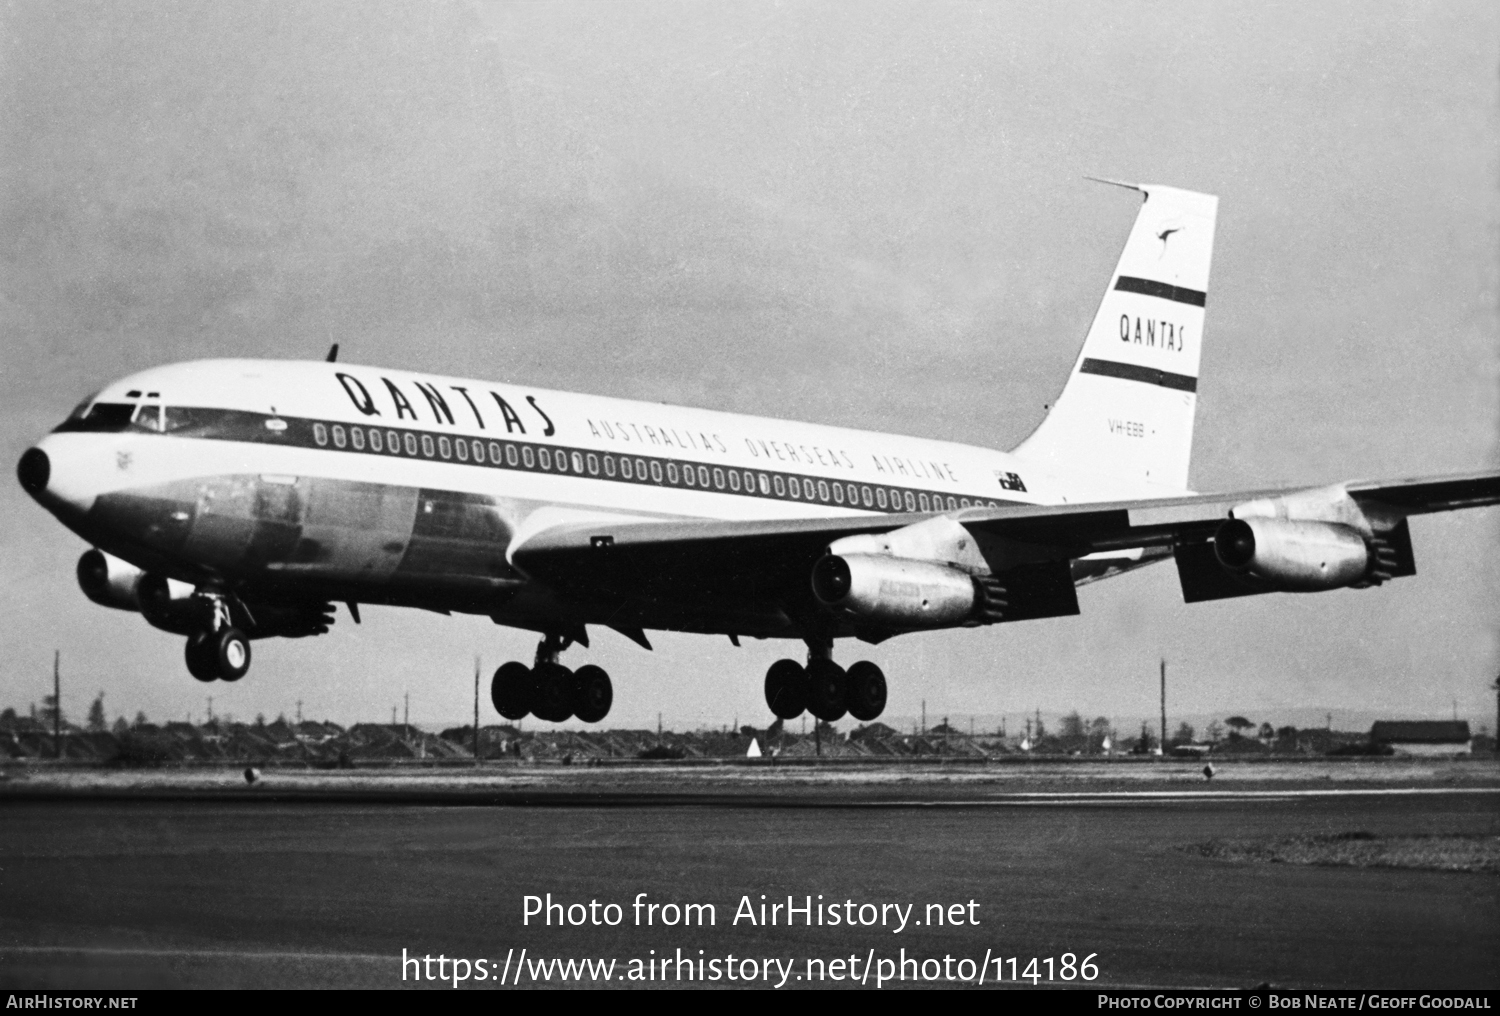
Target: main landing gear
<point>220,652</point>
<point>549,691</point>
<point>825,689</point>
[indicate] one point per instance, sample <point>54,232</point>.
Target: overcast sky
<point>865,214</point>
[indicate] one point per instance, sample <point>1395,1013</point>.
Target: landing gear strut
<point>825,689</point>
<point>220,652</point>
<point>550,691</point>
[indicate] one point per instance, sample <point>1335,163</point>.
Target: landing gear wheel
<point>511,690</point>
<point>553,696</point>
<point>592,693</point>
<point>199,656</point>
<point>231,657</point>
<point>786,689</point>
<point>866,691</point>
<point>826,690</point>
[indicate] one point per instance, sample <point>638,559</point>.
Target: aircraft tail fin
<point>1127,408</point>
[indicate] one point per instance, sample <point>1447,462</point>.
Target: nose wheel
<point>550,691</point>
<point>218,655</point>
<point>220,651</point>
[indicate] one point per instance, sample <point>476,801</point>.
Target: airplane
<point>238,499</point>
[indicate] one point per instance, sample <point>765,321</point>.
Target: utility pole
<point>924,716</point>
<point>299,710</point>
<point>406,716</point>
<point>476,710</point>
<point>210,709</point>
<point>57,703</point>
<point>1164,707</point>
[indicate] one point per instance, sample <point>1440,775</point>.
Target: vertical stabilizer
<point>1127,409</point>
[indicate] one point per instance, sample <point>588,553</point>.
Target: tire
<point>593,693</point>
<point>866,691</point>
<point>197,653</point>
<point>827,690</point>
<point>231,654</point>
<point>552,698</point>
<point>786,689</point>
<point>511,690</point>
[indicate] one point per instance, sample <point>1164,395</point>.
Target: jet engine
<point>108,581</point>
<point>1294,556</point>
<point>896,591</point>
<point>111,582</point>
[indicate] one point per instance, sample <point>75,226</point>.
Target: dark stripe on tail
<point>1147,375</point>
<point>1147,287</point>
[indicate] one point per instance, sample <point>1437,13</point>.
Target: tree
<point>8,716</point>
<point>121,728</point>
<point>1238,725</point>
<point>1145,742</point>
<point>97,720</point>
<point>260,719</point>
<point>1072,727</point>
<point>1267,732</point>
<point>140,719</point>
<point>1214,732</point>
<point>1184,733</point>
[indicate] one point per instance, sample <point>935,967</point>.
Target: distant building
<point>1423,737</point>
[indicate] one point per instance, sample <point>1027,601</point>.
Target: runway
<point>105,891</point>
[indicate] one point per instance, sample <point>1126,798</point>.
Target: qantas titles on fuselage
<point>399,407</point>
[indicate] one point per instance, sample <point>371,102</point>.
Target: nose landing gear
<point>550,691</point>
<point>220,652</point>
<point>825,689</point>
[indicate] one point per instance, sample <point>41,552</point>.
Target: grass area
<point>1365,850</point>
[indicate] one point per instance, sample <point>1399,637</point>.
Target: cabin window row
<point>638,470</point>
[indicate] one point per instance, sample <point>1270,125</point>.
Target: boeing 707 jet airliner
<point>232,500</point>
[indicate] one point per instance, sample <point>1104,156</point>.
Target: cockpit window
<point>114,417</point>
<point>82,407</point>
<point>178,417</point>
<point>110,415</point>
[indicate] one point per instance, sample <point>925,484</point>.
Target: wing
<point>761,569</point>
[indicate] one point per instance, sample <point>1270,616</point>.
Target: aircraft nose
<point>34,470</point>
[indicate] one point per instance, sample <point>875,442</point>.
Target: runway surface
<point>205,889</point>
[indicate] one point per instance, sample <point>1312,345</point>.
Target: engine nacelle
<point>1294,556</point>
<point>108,581</point>
<point>111,582</point>
<point>896,591</point>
